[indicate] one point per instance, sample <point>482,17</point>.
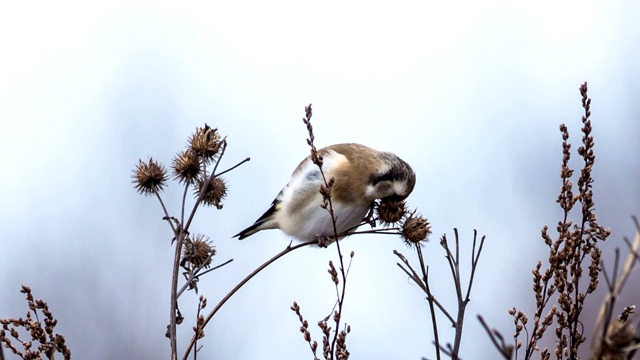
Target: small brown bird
<point>361,175</point>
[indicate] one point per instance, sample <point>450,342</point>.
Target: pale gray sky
<point>470,94</point>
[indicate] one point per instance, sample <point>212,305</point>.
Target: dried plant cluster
<point>561,287</point>
<point>575,244</point>
<point>573,273</point>
<point>462,295</point>
<point>43,342</point>
<point>196,169</point>
<point>333,346</point>
<point>618,338</point>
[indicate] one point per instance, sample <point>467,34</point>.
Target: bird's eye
<point>374,179</point>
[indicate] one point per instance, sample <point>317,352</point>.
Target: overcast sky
<point>470,94</point>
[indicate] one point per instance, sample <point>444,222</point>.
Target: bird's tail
<point>250,230</point>
<point>263,223</point>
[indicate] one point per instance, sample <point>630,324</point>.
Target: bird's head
<point>391,177</point>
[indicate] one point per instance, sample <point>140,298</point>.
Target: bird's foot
<point>369,218</point>
<point>323,240</point>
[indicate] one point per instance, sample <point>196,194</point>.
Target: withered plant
<point>40,342</point>
<point>618,338</point>
<point>196,169</point>
<point>333,347</point>
<point>572,273</point>
<point>575,244</point>
<point>421,278</point>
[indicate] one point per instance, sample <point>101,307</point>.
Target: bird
<point>361,176</point>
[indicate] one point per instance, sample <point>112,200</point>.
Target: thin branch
<point>495,336</point>
<point>184,202</point>
<point>475,257</point>
<point>234,166</point>
<point>287,250</point>
<point>178,252</point>
<point>193,275</point>
<point>166,213</point>
<point>414,276</point>
<point>214,268</point>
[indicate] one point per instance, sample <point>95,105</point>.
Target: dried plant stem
<point>463,299</point>
<point>422,284</point>
<point>328,204</point>
<point>184,201</point>
<point>166,213</point>
<point>561,280</point>
<point>340,294</point>
<point>234,166</point>
<point>497,340</point>
<point>287,250</point>
<point>342,272</point>
<point>174,294</point>
<point>180,235</point>
<point>191,168</point>
<point>455,271</point>
<point>432,301</point>
<point>195,275</point>
<point>607,341</point>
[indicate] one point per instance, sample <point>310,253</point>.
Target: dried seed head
<point>198,251</point>
<point>149,177</point>
<point>215,191</point>
<point>186,167</point>
<point>390,211</point>
<point>621,337</point>
<point>628,310</point>
<point>415,229</point>
<point>205,142</point>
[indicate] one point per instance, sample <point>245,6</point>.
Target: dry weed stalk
<point>422,280</point>
<point>332,347</point>
<point>196,168</point>
<point>562,283</point>
<point>619,338</point>
<point>574,244</point>
<point>47,342</point>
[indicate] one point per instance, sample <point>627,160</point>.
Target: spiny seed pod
<point>415,229</point>
<point>149,177</point>
<point>186,167</point>
<point>214,192</point>
<point>198,251</point>
<point>390,211</point>
<point>205,142</point>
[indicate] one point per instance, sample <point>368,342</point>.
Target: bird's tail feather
<point>249,231</point>
<point>262,223</point>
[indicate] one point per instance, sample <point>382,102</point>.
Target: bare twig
<point>497,340</point>
<point>287,250</point>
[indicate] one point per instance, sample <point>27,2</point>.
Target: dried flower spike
<point>149,177</point>
<point>415,229</point>
<point>215,191</point>
<point>205,142</point>
<point>390,211</point>
<point>198,251</point>
<point>186,167</point>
